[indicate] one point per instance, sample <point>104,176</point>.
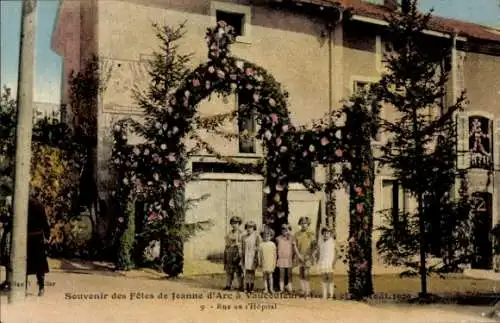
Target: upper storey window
<point>234,19</point>
<point>235,15</point>
<point>479,141</point>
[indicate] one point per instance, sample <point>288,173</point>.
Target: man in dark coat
<point>38,234</point>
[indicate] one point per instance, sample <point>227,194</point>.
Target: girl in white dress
<point>267,259</point>
<point>250,249</point>
<point>326,257</point>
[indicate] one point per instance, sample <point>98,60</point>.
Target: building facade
<point>319,58</point>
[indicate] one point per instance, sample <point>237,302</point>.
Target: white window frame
<point>369,79</point>
<point>246,11</point>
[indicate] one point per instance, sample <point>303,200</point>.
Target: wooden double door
<point>226,198</point>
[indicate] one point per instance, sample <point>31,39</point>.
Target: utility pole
<point>23,153</point>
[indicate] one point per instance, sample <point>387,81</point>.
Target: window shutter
<point>463,161</point>
<point>496,144</point>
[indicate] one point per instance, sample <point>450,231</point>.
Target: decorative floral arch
<point>344,143</point>
<point>288,150</point>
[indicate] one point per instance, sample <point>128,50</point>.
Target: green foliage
<point>421,142</point>
<point>8,111</point>
<point>155,172</point>
<point>397,239</point>
<point>55,169</point>
<point>125,259</point>
<point>85,87</point>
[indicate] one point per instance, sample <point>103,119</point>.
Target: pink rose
<point>339,152</point>
<point>362,265</point>
<point>360,207</point>
<point>177,183</point>
<point>196,82</point>
<point>274,117</point>
<point>358,190</point>
<point>324,141</point>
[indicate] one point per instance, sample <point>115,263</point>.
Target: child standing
<point>267,259</point>
<point>232,253</point>
<point>286,249</point>
<point>305,241</point>
<point>250,248</point>
<point>326,257</point>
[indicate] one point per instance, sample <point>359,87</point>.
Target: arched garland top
<point>288,149</point>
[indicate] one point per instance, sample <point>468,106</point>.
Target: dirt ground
<point>125,299</point>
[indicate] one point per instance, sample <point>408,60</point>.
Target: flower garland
<point>363,120</point>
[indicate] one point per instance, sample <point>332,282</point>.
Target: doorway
<point>482,225</point>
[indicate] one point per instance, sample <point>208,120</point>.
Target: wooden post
<point>23,153</point>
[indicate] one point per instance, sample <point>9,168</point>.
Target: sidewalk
<point>93,298</point>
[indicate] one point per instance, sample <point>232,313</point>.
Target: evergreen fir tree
<point>421,143</point>
<point>157,180</point>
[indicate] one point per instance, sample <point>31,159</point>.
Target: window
<point>480,142</point>
<point>246,125</point>
<point>476,142</point>
<point>482,218</point>
<point>235,15</point>
<point>234,19</point>
<point>394,201</point>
